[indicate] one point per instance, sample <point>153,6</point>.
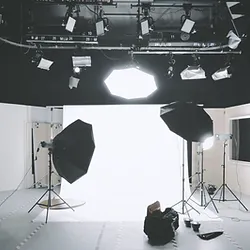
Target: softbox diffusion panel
<point>73,149</point>
<point>188,120</point>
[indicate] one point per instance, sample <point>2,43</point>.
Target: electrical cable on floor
<point>9,196</point>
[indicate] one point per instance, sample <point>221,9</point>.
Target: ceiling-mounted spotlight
<point>147,22</point>
<point>41,62</point>
<point>76,70</point>
<point>233,40</point>
<point>81,61</point>
<point>193,72</point>
<point>69,21</point>
<point>102,24</point>
<point>225,72</point>
<point>170,70</point>
<point>73,82</point>
<point>187,24</point>
<point>2,14</point>
<point>147,25</point>
<point>222,73</point>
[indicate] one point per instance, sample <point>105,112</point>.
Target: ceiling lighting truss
<point>145,24</point>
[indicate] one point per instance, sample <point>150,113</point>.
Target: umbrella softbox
<point>188,120</point>
<point>72,150</point>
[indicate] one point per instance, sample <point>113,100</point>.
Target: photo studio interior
<point>125,124</point>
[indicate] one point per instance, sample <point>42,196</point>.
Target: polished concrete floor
<point>17,231</point>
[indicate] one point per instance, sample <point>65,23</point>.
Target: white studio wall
<point>238,172</point>
<point>137,161</point>
<point>15,149</point>
<point>13,146</point>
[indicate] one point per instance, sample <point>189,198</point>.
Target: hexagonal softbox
<point>73,149</point>
<point>188,120</point>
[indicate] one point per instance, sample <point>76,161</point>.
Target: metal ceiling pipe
<point>168,5</point>
<point>186,52</point>
<point>122,14</point>
<point>213,50</point>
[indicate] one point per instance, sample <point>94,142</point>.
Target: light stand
<point>183,202</point>
<point>49,191</point>
<point>224,185</point>
<point>201,186</point>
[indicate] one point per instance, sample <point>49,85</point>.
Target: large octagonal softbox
<point>187,120</point>
<point>73,149</point>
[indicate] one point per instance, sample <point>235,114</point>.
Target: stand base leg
<point>38,201</point>
<point>211,200</point>
<point>184,204</point>
<point>49,205</point>
<point>64,202</point>
<point>237,199</point>
<point>222,188</point>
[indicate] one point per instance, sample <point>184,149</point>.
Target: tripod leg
<point>192,207</point>
<point>193,192</point>
<point>205,199</point>
<point>187,210</point>
<point>176,204</point>
<point>38,201</point>
<point>48,206</point>
<point>213,196</point>
<point>63,200</point>
<point>236,197</point>
<point>221,192</point>
<point>211,200</point>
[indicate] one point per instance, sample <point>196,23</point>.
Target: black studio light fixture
<point>188,120</point>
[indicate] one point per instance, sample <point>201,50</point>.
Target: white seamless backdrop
<point>137,161</point>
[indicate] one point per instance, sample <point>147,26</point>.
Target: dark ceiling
<point>23,83</point>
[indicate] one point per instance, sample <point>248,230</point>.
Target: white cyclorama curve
<point>137,160</point>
